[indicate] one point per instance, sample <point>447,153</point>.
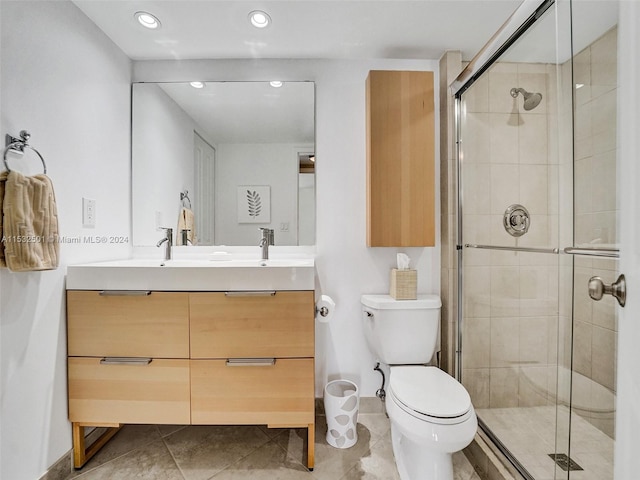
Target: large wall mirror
<point>238,155</point>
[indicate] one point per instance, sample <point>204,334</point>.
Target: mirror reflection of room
<point>244,152</point>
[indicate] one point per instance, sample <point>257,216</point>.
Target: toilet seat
<point>430,394</point>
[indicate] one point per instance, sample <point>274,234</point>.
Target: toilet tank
<point>401,331</point>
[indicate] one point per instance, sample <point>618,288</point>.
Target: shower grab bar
<point>593,252</point>
<point>513,249</point>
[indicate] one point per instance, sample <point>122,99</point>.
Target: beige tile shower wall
<point>511,299</point>
<point>595,140</point>
<point>595,323</point>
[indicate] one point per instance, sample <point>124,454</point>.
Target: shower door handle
<point>597,289</point>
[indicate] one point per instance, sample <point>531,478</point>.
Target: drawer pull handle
<point>251,362</point>
<point>256,293</point>
<point>124,293</point>
<point>125,361</point>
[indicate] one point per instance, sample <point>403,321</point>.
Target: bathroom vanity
<point>201,357</point>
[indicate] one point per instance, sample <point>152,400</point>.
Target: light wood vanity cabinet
<point>238,325</point>
<point>400,159</point>
<point>189,358</point>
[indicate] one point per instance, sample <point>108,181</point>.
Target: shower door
<point>537,220</point>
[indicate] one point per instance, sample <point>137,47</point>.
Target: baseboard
<point>61,469</point>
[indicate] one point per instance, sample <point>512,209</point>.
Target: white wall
<point>273,164</point>
<point>63,80</point>
<point>164,164</point>
<point>346,268</point>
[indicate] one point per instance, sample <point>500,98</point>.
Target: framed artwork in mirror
<point>254,204</point>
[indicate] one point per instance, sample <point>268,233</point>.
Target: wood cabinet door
<point>400,159</point>
<point>157,392</point>
<point>281,393</point>
<point>243,324</point>
<point>155,325</point>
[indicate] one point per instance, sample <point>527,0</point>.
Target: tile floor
<point>162,452</point>
<point>530,434</point>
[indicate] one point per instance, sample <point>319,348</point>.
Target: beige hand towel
<point>3,181</point>
<point>186,221</point>
<point>29,223</point>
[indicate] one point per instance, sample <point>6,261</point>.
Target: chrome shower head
<point>531,100</point>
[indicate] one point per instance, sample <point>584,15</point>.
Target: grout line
<point>171,453</point>
<point>244,456</point>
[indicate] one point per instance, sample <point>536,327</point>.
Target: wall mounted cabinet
<point>400,159</point>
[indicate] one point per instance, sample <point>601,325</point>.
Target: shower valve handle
<point>618,289</point>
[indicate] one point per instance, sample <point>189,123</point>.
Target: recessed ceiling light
<point>147,20</point>
<point>197,84</point>
<point>579,85</point>
<point>259,19</point>
<point>276,84</point>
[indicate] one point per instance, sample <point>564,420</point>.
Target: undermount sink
<point>235,274</point>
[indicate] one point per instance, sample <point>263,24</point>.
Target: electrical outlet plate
<point>88,212</point>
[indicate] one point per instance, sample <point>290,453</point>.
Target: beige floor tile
<point>165,430</point>
<point>150,462</point>
<point>377,464</point>
<point>203,451</point>
<point>269,462</point>
<point>129,438</point>
<point>530,434</point>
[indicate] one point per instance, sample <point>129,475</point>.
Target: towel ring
<point>184,198</point>
<point>19,144</point>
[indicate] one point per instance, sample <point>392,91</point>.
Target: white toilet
<point>431,413</point>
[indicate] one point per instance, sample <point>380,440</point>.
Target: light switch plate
<point>88,212</point>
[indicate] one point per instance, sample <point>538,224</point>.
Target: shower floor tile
<point>530,434</point>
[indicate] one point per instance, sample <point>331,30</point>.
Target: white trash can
<point>341,402</point>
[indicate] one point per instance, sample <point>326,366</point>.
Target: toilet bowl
<point>430,412</point>
<point>431,418</point>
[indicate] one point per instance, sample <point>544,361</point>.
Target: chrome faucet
<point>185,237</point>
<point>168,241</point>
<point>265,241</point>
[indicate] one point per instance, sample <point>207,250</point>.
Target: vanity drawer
<point>155,325</point>
<point>252,324</point>
<point>157,392</point>
<point>277,394</point>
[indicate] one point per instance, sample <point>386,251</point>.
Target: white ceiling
<point>209,29</point>
<point>312,29</point>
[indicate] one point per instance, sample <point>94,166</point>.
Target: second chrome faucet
<point>168,241</point>
<point>266,240</point>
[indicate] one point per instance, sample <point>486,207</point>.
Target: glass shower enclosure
<point>537,222</point>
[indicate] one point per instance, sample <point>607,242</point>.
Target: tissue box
<point>404,284</point>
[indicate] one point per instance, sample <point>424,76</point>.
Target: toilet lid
<point>430,391</point>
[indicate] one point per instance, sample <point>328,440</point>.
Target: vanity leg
<point>82,454</point>
<point>311,436</point>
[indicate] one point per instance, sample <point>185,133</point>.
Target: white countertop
<point>211,272</point>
